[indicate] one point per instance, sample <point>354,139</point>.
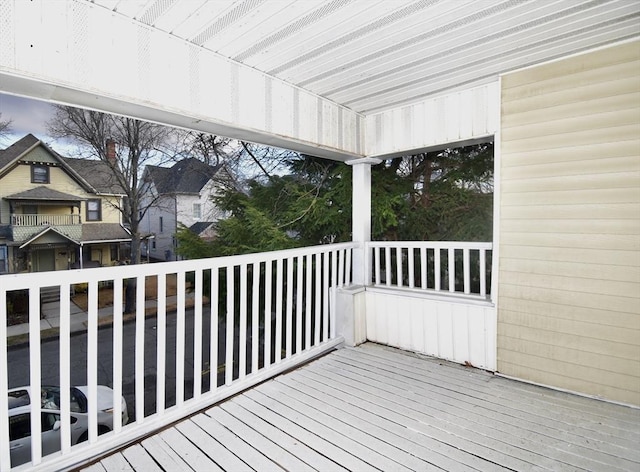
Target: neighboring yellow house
<point>57,213</point>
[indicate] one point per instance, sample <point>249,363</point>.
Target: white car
<point>20,418</point>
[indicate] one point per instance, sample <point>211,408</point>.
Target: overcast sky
<point>28,116</point>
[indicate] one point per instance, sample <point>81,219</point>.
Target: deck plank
<point>139,459</point>
<point>545,431</point>
<point>323,446</point>
<point>375,408</point>
<point>280,440</point>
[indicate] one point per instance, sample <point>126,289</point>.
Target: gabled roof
<point>185,176</point>
<point>44,193</point>
<point>94,175</point>
<point>200,226</point>
<point>17,149</point>
<point>98,173</point>
<point>48,229</point>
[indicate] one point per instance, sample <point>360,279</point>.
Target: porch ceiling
<point>373,55</point>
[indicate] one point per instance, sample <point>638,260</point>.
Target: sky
<point>28,116</point>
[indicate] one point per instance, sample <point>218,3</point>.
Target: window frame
<point>47,174</point>
<point>197,211</point>
<point>89,211</point>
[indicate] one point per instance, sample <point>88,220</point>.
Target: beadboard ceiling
<point>373,55</point>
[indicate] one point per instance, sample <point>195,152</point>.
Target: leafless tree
<point>5,127</point>
<point>134,144</point>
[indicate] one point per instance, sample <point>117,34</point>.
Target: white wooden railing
<point>448,266</point>
<point>40,220</point>
<point>271,311</point>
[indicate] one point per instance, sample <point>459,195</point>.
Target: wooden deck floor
<point>377,408</point>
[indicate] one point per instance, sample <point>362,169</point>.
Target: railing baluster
<point>341,261</point>
<point>161,339</point>
<point>308,299</point>
<point>483,272</point>
<point>318,294</point>
<point>279,289</point>
<point>255,302</point>
<point>65,368</point>
<point>197,335</point>
<point>466,268</point>
<point>180,332</point>
<point>242,348</point>
<point>423,268</point>
<point>451,261</point>
<point>92,361</point>
<point>376,255</point>
<point>399,266</point>
<point>299,297</point>
<point>334,288</point>
<point>289,308</point>
<point>411,266</point>
<point>139,349</point>
<point>213,328</point>
<point>347,276</point>
<point>34,374</point>
<point>325,296</point>
<point>268,275</point>
<point>228,362</point>
<point>437,268</point>
<point>387,265</point>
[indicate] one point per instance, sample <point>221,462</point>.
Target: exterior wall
<point>569,281</point>
<point>165,208</point>
<point>19,180</point>
<point>464,116</point>
<point>461,331</point>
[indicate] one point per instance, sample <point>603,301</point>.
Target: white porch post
<point>361,217</point>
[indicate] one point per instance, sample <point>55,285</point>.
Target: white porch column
<point>361,217</point>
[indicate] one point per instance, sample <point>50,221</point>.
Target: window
<point>94,210</point>
<point>196,211</point>
<point>161,225</point>
<point>3,259</point>
<point>39,174</point>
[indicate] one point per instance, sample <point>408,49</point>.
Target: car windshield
<point>18,398</point>
<point>50,399</point>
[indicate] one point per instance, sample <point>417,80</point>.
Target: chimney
<point>111,151</point>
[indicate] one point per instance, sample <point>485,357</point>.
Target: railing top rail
<point>433,244</point>
<point>75,276</point>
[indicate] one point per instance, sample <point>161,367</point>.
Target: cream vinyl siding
<point>569,293</point>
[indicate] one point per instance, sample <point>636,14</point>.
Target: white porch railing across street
<point>42,220</point>
<point>253,316</point>
<point>447,266</point>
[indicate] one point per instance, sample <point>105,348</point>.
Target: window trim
<point>47,176</point>
<point>99,210</point>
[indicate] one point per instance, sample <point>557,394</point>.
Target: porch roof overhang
<point>60,238</point>
<point>43,196</point>
<point>338,79</point>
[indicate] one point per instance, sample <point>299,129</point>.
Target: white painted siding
<point>461,116</point>
<point>462,331</point>
<point>569,288</point>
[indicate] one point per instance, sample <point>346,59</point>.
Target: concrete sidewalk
<point>78,317</point>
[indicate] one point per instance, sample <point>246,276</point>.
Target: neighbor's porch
<point>379,408</point>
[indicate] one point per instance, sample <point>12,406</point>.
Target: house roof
<point>185,176</point>
<point>94,232</point>
<point>98,173</point>
<point>200,226</point>
<point>94,175</point>
<point>44,193</point>
<point>17,149</point>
